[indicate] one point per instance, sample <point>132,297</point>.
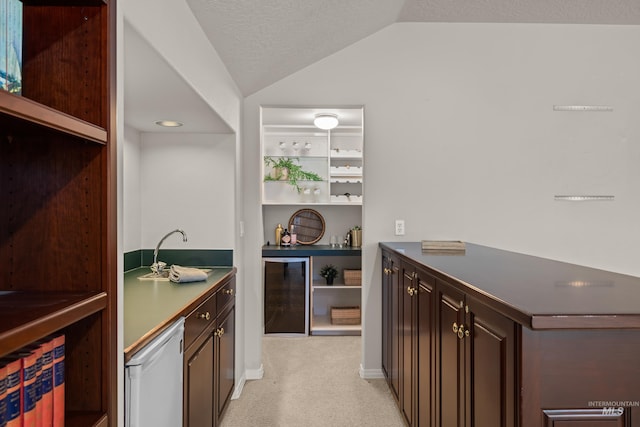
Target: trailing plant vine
<point>294,172</point>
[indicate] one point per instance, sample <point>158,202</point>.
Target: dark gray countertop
<point>309,250</point>
<point>542,292</point>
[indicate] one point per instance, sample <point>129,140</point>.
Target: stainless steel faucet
<point>158,267</point>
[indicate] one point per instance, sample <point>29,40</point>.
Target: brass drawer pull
<point>219,332</point>
<point>228,291</point>
<point>205,316</point>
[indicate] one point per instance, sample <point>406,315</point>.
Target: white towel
<point>180,274</point>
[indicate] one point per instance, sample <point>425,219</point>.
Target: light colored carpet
<point>313,381</point>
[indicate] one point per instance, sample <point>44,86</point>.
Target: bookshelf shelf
<point>32,112</point>
<point>28,316</point>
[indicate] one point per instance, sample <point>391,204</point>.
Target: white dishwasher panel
<point>153,381</point>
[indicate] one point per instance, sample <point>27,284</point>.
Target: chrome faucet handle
<point>158,267</point>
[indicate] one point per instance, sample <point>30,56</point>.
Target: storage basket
<point>353,277</point>
<point>345,315</point>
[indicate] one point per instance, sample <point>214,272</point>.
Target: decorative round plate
<point>309,226</point>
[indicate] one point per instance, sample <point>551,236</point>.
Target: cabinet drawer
<point>226,295</point>
<point>199,319</point>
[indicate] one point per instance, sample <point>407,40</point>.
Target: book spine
<point>58,380</point>
<point>38,387</point>
<point>47,383</point>
<point>3,394</point>
<point>28,394</point>
<point>13,399</point>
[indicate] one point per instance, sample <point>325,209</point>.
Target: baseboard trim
<point>371,374</point>
<point>254,374</point>
<point>237,390</point>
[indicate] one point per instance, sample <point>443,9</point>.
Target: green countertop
<point>152,305</point>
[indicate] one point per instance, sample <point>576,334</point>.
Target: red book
<point>47,383</point>
<point>3,394</point>
<point>13,400</point>
<point>28,392</point>
<point>58,381</point>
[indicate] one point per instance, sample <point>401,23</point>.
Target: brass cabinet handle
<point>387,271</point>
<point>461,331</point>
<point>228,291</point>
<point>205,316</point>
<point>219,332</point>
<point>411,291</point>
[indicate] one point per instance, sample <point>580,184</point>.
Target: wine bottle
<point>286,238</point>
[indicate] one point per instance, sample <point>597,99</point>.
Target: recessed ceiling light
<point>169,123</point>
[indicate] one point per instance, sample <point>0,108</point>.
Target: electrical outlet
<point>399,227</point>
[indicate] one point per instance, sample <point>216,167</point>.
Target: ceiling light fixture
<point>169,123</point>
<point>326,121</point>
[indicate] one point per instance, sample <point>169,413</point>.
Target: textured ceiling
<point>262,41</point>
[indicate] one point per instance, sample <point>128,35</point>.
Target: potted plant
<point>329,272</point>
<point>286,169</point>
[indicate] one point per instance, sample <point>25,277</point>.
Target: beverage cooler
<point>286,296</point>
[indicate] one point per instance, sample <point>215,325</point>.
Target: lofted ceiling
<point>263,41</point>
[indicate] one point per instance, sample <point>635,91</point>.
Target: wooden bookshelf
<point>58,186</point>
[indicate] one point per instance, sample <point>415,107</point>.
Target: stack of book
<point>32,385</point>
<point>443,247</point>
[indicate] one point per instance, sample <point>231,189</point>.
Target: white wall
<point>186,181</point>
<point>130,203</point>
<point>197,187</point>
<point>462,143</point>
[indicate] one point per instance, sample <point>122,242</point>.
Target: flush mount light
<point>326,121</point>
<point>169,123</point>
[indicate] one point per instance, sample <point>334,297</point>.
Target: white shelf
<point>346,154</point>
<point>336,286</point>
<point>322,324</point>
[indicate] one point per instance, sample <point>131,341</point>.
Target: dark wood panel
<point>225,362</point>
<point>27,316</point>
<point>407,346</point>
<point>83,369</point>
<point>198,398</point>
<point>450,357</point>
<point>584,418</point>
<point>425,363</point>
<point>53,214</point>
<point>70,45</point>
<point>579,369</point>
<point>491,382</point>
<point>396,352</point>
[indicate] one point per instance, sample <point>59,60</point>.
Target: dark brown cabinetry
<point>449,359</point>
<point>209,358</point>
<point>391,287</point>
<point>560,351</point>
<point>58,192</point>
<point>408,326</point>
<point>475,362</point>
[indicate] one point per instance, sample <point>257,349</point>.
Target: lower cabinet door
<point>199,387</point>
<point>225,361</point>
<point>491,357</point>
